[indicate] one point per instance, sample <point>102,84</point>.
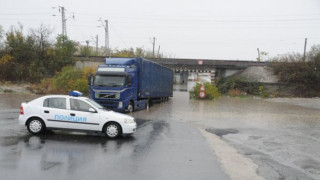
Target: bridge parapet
<point>220,68</point>
<point>172,62</point>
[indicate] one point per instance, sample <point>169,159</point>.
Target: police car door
<point>55,112</point>
<point>83,119</point>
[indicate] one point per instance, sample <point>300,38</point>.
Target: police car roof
<point>64,96</point>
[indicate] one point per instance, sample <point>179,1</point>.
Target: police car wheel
<point>112,130</point>
<point>35,126</point>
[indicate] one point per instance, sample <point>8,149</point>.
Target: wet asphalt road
<point>283,139</point>
<point>281,136</point>
<point>162,148</point>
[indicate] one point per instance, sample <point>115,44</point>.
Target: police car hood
<point>112,114</point>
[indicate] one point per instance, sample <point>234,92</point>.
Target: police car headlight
<point>128,120</point>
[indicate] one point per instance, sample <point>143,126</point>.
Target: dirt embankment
<point>259,74</point>
<point>270,81</point>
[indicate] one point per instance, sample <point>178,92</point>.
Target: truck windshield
<point>107,80</point>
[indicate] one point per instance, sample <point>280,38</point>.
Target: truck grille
<point>107,96</point>
<point>108,104</point>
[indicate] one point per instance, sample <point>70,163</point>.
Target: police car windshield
<point>108,80</point>
<point>96,105</point>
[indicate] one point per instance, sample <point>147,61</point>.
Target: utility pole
<point>153,44</point>
<point>158,52</point>
<point>64,20</point>
<point>304,52</point>
<point>106,28</point>
<point>106,35</point>
<point>258,54</point>
<point>87,51</point>
<point>97,45</point>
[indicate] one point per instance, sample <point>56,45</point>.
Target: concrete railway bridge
<point>187,69</point>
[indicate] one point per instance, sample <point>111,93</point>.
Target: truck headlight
<point>128,120</point>
<point>120,105</point>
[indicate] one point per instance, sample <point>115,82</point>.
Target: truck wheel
<point>130,107</point>
<point>112,130</point>
<point>36,126</point>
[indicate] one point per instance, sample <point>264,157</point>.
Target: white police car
<point>73,113</point>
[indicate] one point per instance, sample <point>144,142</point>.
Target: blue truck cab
<point>128,84</point>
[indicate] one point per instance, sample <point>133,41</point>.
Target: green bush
<point>211,91</point>
<point>304,74</point>
<point>67,80</point>
<point>226,85</point>
<point>81,85</point>
<point>33,56</point>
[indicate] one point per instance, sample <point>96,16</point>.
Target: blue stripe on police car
<point>70,118</point>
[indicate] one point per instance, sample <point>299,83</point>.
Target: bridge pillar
<point>180,77</point>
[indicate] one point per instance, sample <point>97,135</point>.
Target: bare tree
<point>41,37</point>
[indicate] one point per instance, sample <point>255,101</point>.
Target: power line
<point>79,29</point>
<point>207,19</point>
<point>210,18</point>
<point>19,14</point>
<point>114,29</point>
<point>215,19</point>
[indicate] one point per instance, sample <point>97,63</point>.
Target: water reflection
<point>185,87</point>
<point>59,152</point>
<point>64,152</point>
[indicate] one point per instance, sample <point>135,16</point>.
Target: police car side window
<point>79,105</point>
<point>59,103</point>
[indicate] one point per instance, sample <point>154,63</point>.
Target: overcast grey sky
<point>199,29</point>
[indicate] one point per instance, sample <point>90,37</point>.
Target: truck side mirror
<point>128,80</point>
<point>90,79</point>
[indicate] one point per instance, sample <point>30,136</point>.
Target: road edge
<point>234,164</point>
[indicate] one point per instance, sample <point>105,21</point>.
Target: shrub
<point>244,86</point>
<point>33,56</point>
<point>211,91</point>
<point>305,75</point>
<point>67,80</point>
<point>7,67</point>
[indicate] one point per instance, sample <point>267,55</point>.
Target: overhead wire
<point>114,29</point>
<point>186,21</point>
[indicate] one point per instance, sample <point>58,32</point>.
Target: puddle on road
<point>141,122</point>
<point>310,165</point>
<point>222,132</point>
